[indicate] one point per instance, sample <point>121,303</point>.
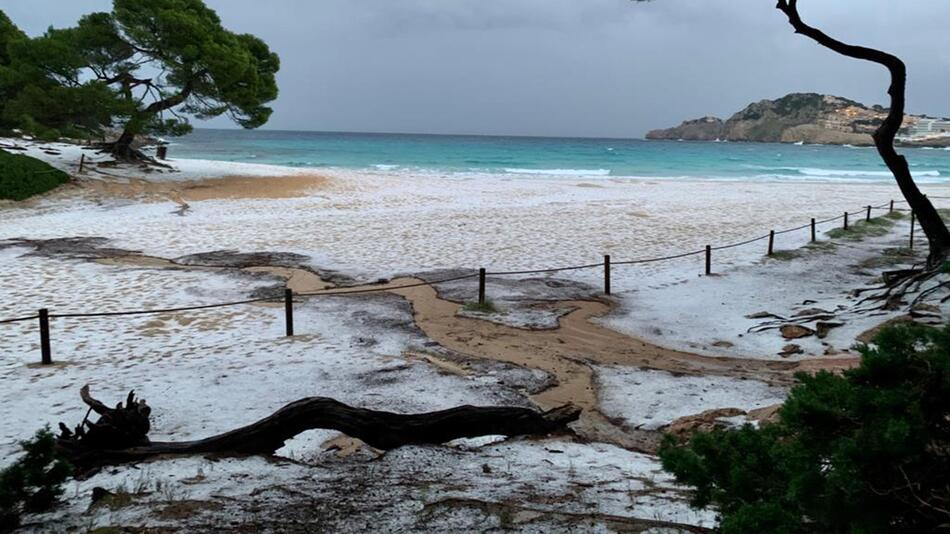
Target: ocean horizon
<point>526,156</point>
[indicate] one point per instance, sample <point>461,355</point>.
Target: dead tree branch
<point>121,433</point>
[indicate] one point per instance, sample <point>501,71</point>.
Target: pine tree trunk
<point>933,226</point>
<point>122,147</point>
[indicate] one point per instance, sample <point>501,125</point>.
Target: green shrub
<point>22,176</point>
<point>34,482</point>
<point>865,451</point>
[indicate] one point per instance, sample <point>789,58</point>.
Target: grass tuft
<point>896,215</point>
<point>487,307</point>
<point>785,255</point>
<point>877,227</point>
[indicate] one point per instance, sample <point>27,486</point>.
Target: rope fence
<point>44,315</point>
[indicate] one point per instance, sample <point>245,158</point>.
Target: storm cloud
<point>611,68</point>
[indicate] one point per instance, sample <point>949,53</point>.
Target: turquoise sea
<point>569,157</point>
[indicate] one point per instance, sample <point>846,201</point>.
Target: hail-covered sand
<point>210,371</point>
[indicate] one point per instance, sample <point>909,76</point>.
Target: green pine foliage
<point>146,67</point>
<point>867,451</point>
<point>22,176</point>
<point>34,482</point>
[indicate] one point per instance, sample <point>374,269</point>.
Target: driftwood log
<point>120,435</point>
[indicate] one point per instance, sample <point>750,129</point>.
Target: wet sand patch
<point>225,188</point>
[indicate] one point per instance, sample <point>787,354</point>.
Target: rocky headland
<point>807,118</point>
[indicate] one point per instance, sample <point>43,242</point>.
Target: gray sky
<point>608,68</point>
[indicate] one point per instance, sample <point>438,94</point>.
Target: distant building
<point>924,127</point>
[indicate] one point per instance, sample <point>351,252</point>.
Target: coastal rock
<point>805,118</point>
<point>704,129</point>
<point>703,422</point>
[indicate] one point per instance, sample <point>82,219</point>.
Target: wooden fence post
<point>481,286</point>
<point>708,260</point>
<point>47,353</point>
<point>289,311</point>
<point>913,217</point>
<point>814,233</point>
<point>869,214</point>
<point>606,274</point>
<point>771,241</point>
<point>845,220</point>
<point>892,206</point>
<point>82,161</point>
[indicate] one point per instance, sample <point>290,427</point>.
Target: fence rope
<point>344,291</point>
<point>354,291</point>
<point>20,319</point>
<point>162,310</point>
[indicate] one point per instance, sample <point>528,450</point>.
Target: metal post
<point>481,286</point>
<point>771,241</point>
<point>814,234</point>
<point>606,274</point>
<point>869,214</point>
<point>845,220</point>
<point>289,311</point>
<point>47,352</point>
<point>913,217</point>
<point>708,260</point>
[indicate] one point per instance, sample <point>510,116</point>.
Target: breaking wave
<point>560,172</point>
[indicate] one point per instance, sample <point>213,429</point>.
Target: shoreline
<point>66,157</point>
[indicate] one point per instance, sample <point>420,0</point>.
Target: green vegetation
<point>865,451</point>
<point>876,227</point>
<point>22,177</point>
<point>823,246</point>
<point>487,307</point>
<point>129,68</point>
<point>785,255</point>
<point>889,257</point>
<point>34,482</point>
<point>896,215</point>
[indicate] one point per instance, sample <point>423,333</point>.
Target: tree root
<point>129,154</point>
<point>897,285</point>
<point>797,321</point>
<point>121,433</point>
<point>890,296</point>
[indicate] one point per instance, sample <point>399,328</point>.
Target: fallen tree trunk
<point>121,433</point>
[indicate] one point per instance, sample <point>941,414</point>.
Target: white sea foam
<point>808,171</point>
<point>818,172</point>
<point>560,172</point>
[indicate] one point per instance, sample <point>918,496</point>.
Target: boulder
<point>791,350</point>
<point>823,327</point>
<point>796,331</point>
